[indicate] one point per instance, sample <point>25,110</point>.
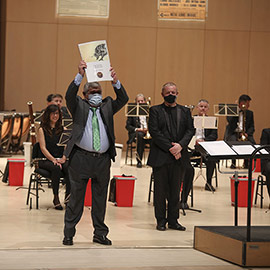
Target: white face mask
<point>95,99</point>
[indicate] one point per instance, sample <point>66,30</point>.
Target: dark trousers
<point>141,144</point>
<point>56,173</point>
<point>83,165</point>
<point>210,167</point>
<point>167,182</point>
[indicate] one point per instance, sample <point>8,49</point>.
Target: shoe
<point>183,205</point>
<point>102,239</point>
<point>176,226</point>
<point>57,204</point>
<point>68,241</point>
<point>233,166</point>
<point>209,188</point>
<point>161,225</point>
<point>139,165</point>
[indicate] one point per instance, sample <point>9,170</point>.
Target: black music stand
<point>137,109</point>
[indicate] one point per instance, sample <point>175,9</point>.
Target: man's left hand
<point>175,149</point>
<point>114,76</point>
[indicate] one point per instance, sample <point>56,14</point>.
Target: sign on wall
<point>182,9</point>
<point>85,8</point>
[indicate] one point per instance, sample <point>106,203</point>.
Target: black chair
<point>260,183</point>
<point>38,177</point>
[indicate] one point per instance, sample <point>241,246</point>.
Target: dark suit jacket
<point>265,140</point>
<point>131,124</point>
<point>159,130</point>
<point>249,126</point>
<point>79,109</point>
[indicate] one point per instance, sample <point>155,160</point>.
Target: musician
<point>49,134</point>
<point>171,128</point>
<point>58,100</point>
<point>265,163</point>
<point>243,122</point>
<point>90,149</point>
<point>49,99</point>
<point>206,135</point>
<point>137,129</point>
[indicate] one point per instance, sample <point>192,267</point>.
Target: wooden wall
<point>219,59</point>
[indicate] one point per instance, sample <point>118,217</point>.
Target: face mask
<point>95,99</point>
<point>170,99</point>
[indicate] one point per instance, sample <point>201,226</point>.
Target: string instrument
<point>32,122</point>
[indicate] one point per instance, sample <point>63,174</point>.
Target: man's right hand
<point>82,66</point>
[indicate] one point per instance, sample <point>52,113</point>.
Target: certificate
<point>96,56</point>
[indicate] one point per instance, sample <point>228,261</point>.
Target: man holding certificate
<point>90,149</point>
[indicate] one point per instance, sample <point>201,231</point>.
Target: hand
<point>178,156</point>
<point>113,75</point>
<point>141,130</point>
<point>82,66</point>
<point>199,140</point>
<point>56,162</point>
<point>62,160</point>
<point>175,149</point>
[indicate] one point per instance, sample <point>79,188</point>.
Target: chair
<point>260,183</point>
<point>38,177</point>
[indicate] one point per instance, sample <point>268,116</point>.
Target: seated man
<point>58,100</point>
<point>241,127</point>
<point>206,135</point>
<point>265,163</point>
<point>137,129</point>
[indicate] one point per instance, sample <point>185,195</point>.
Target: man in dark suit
<point>241,127</point>
<point>137,129</point>
<point>90,149</point>
<point>265,163</point>
<point>202,135</point>
<point>171,128</point>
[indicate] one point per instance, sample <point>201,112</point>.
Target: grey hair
<point>169,84</point>
<point>203,100</point>
<point>93,85</point>
<point>140,95</point>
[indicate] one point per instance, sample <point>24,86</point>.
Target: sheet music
<point>243,149</point>
<point>217,148</point>
<point>209,122</point>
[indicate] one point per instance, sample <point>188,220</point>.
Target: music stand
<point>64,138</point>
<point>223,109</point>
<point>137,109</point>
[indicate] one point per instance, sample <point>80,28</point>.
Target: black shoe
<point>161,225</point>
<point>139,165</point>
<point>233,166</point>
<point>209,188</point>
<point>183,205</point>
<point>102,239</point>
<point>176,226</point>
<point>68,241</point>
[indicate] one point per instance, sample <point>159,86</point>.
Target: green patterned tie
<point>95,130</point>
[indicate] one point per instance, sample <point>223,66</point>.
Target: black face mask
<point>170,99</point>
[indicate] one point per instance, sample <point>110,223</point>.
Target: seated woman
<point>49,134</point>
